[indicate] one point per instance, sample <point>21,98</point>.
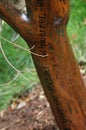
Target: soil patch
<point>31,111</point>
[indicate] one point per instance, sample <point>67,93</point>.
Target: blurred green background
<point>22,60</point>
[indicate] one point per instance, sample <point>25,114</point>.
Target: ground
<point>31,111</point>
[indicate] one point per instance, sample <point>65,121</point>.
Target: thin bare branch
<point>11,81</point>
<point>7,59</point>
<point>25,49</point>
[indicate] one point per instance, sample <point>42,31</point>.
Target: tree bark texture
<point>44,26</point>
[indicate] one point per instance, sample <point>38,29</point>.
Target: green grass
<point>77,28</point>
<point>22,60</point>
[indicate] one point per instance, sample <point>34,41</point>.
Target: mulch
<point>31,111</point>
<point>35,115</point>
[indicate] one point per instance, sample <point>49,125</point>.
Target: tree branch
<point>58,72</point>
<point>18,20</point>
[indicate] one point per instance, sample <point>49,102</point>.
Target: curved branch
<point>18,20</point>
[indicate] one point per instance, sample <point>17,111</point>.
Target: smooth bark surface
<point>45,27</point>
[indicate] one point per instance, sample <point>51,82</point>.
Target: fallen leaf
<point>14,105</point>
<point>18,121</point>
<point>5,128</point>
<point>21,105</point>
<point>2,113</point>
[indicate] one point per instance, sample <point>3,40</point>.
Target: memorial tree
<point>44,27</point>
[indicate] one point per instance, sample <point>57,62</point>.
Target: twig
<point>11,80</point>
<point>28,50</point>
<point>7,59</point>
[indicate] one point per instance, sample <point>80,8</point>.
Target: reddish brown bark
<point>45,27</point>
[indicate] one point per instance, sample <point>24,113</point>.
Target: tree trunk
<point>45,28</point>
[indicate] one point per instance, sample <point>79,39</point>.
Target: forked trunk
<point>45,28</point>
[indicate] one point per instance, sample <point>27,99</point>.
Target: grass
<point>77,28</point>
<point>22,60</point>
